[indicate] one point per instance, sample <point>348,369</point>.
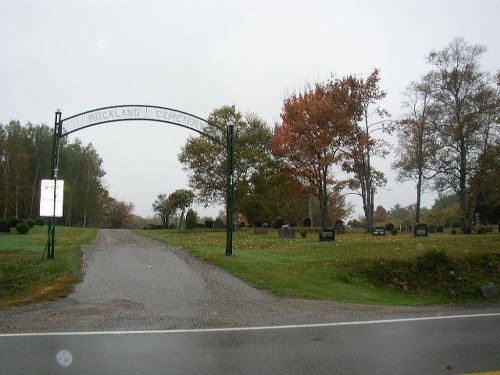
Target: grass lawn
<point>359,268</point>
<point>25,278</point>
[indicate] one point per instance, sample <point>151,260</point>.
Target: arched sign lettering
<point>72,124</point>
<point>140,113</point>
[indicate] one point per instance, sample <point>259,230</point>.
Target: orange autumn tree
<point>308,142</point>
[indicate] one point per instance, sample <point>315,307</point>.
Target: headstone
<point>4,227</point>
<point>327,235</point>
<point>261,230</point>
<point>378,231</point>
<point>439,229</point>
<point>340,228</point>
<point>431,229</point>
<point>307,222</point>
<point>286,232</point>
<point>420,230</point>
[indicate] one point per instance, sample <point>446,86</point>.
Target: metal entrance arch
<point>68,125</point>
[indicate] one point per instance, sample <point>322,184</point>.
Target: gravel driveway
<point>134,283</point>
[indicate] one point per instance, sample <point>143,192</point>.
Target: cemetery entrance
<point>72,124</point>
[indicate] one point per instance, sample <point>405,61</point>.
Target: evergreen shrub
<point>22,228</point>
<point>40,221</point>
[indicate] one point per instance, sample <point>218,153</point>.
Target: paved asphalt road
<point>147,308</point>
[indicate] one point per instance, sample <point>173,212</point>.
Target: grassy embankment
<point>441,268</point>
<point>401,269</point>
<point>25,278</point>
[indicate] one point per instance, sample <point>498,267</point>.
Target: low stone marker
<point>327,235</point>
<point>286,232</point>
<point>340,228</point>
<point>261,230</point>
<point>388,227</point>
<point>378,231</point>
<point>5,227</point>
<point>420,230</point>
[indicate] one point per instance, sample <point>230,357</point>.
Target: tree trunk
<point>86,198</point>
<point>6,174</point>
<point>464,203</point>
<point>323,200</point>
<point>419,194</point>
<point>17,190</point>
<point>33,189</point>
<point>368,195</point>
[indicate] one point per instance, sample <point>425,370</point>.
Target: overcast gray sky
<point>196,56</point>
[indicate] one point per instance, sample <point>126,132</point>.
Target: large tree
<point>485,181</point>
<point>164,208</point>
<point>465,105</point>
<point>180,200</point>
<point>118,214</point>
<point>364,145</point>
<point>308,141</point>
<point>39,140</point>
<point>416,141</point>
<point>206,160</point>
<point>15,169</point>
<point>84,195</point>
<point>485,186</point>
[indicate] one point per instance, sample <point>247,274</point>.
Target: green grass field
<point>359,268</point>
<point>25,278</point>
<point>401,269</point>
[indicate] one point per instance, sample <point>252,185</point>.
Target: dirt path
<point>133,283</point>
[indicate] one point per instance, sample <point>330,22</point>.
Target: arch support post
<point>50,247</point>
<point>230,189</point>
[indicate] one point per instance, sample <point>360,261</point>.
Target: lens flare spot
<point>64,358</point>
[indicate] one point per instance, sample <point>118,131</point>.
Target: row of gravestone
<point>279,222</point>
<point>324,234</point>
<point>288,232</point>
<point>419,230</point>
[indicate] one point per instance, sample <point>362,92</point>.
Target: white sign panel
<point>47,198</point>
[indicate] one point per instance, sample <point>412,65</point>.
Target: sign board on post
<point>47,198</point>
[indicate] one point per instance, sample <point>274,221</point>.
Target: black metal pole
<point>230,189</point>
<point>55,169</point>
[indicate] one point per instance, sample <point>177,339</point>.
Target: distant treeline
<point>25,159</point>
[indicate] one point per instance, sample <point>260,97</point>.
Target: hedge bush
<point>40,221</point>
<point>22,228</point>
